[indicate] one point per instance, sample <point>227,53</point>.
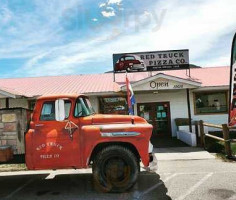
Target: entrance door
<point>157,114</point>
<point>53,146</point>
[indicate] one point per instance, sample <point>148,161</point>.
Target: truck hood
<point>116,119</point>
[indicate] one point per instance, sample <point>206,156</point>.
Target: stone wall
<point>13,125</point>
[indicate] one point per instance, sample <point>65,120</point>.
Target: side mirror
<point>60,110</point>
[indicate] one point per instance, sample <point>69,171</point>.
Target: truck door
<point>54,144</point>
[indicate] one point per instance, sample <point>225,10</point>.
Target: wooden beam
<point>215,137</point>
<point>7,102</point>
<point>213,125</point>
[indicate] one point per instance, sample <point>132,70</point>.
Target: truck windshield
<point>83,107</point>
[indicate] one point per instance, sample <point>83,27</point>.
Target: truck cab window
<point>48,111</point>
<point>67,108</point>
<point>83,108</point>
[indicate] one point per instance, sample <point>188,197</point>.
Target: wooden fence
<point>226,139</point>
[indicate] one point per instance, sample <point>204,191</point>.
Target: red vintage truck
<point>66,133</point>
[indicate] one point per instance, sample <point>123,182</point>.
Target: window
<point>67,108</point>
<point>48,111</point>
<point>129,58</point>
<point>83,107</point>
<point>113,105</point>
<point>211,102</point>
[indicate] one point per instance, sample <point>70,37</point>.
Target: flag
<point>130,96</point>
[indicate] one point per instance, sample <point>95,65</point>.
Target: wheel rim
<point>116,171</point>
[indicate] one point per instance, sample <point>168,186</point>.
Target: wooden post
<point>189,111</point>
<point>202,133</point>
<point>7,103</point>
<point>227,140</point>
<point>196,132</point>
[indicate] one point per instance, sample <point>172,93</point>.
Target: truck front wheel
<point>115,169</point>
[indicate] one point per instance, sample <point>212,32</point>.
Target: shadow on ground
<point>77,186</point>
<point>164,142</point>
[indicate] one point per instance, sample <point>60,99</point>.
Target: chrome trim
<point>150,147</point>
<point>120,134</point>
<point>122,126</point>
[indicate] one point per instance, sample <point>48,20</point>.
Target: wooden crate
<point>6,153</point>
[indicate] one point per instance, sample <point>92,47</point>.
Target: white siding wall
<point>178,104</point>
<point>178,107</point>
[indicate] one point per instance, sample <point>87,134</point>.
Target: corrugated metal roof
<point>100,83</point>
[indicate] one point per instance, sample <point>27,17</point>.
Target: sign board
<point>151,61</point>
<point>232,99</point>
<point>162,84</point>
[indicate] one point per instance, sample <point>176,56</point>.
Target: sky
<point>64,37</point>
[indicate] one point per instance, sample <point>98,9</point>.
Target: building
<point>160,98</point>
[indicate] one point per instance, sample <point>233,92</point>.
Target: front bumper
<point>152,159</point>
<point>152,167</point>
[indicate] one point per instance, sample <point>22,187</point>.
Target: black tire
<point>128,69</point>
<point>115,169</point>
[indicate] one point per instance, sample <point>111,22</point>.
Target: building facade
<point>161,97</point>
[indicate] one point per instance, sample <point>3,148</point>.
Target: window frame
<point>133,58</point>
<point>53,101</point>
<point>45,102</point>
<point>71,105</point>
<point>111,96</point>
<point>226,92</point>
<point>81,97</point>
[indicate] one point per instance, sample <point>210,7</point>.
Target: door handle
<point>38,125</point>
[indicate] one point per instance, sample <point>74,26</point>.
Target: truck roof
<point>56,96</point>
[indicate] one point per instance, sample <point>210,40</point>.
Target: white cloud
<point>109,12</point>
<point>146,17</point>
<point>223,60</point>
<point>5,15</point>
<point>102,5</point>
<point>197,25</point>
<point>117,2</point>
<point>95,19</point>
<point>32,32</point>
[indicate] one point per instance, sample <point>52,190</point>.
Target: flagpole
<point>127,88</point>
<point>130,96</point>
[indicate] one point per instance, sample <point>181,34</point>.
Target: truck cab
<point>65,132</point>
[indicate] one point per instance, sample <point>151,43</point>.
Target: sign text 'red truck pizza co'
<point>151,61</point>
